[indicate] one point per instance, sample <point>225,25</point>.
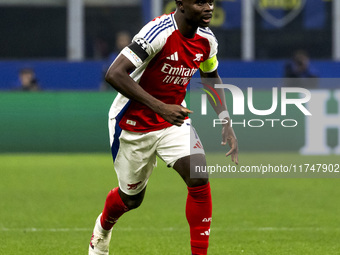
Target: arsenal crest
<point>291,9</point>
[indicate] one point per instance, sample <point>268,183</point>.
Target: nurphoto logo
<point>239,105</point>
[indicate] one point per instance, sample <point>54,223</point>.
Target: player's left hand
<point>228,136</point>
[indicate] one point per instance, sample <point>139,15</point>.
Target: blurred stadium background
<point>70,44</point>
<point>55,166</point>
<point>55,163</point>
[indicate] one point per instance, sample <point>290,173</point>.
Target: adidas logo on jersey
<point>206,220</point>
<point>173,57</point>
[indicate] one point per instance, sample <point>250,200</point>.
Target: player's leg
<point>186,165</point>
<point>181,149</point>
<point>199,203</point>
<point>117,203</point>
<point>101,236</point>
<point>133,166</point>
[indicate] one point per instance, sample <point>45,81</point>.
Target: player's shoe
<point>100,241</point>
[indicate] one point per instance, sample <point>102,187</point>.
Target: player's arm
<point>228,134</point>
<point>118,77</point>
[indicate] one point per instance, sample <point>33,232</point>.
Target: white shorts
<point>134,154</point>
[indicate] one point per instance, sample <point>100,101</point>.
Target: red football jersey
<point>165,61</point>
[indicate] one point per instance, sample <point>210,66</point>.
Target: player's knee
<point>132,201</point>
<point>197,182</point>
<point>133,204</point>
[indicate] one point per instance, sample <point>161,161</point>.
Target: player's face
<point>198,12</point>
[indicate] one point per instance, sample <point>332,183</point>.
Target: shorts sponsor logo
<point>131,122</point>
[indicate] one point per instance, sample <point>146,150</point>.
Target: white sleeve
<point>149,41</point>
<point>211,64</point>
<point>213,45</point>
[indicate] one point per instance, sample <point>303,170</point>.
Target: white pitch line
<point>260,229</point>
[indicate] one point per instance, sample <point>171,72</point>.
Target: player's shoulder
<point>158,28</point>
<point>207,33</point>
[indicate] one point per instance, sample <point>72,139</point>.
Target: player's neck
<point>186,29</point>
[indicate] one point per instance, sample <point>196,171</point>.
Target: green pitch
<point>49,204</point>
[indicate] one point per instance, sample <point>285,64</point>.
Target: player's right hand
<point>174,114</point>
<point>228,136</point>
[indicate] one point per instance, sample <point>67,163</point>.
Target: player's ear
<point>179,4</point>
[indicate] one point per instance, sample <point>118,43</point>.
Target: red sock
<point>199,212</point>
<point>113,209</point>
